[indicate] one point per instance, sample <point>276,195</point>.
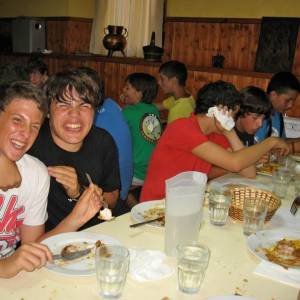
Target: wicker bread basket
<point>239,194</point>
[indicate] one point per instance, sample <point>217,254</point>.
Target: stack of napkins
<point>148,265</point>
<point>287,276</point>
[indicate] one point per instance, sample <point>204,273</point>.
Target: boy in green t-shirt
<point>144,123</point>
<point>180,104</point>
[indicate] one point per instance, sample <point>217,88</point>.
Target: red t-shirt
<point>173,155</point>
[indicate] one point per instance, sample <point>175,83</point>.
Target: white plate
<point>238,180</point>
<point>296,157</point>
<point>84,267</point>
<point>230,298</point>
<point>137,212</point>
<point>267,238</point>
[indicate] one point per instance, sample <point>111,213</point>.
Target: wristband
<point>75,199</point>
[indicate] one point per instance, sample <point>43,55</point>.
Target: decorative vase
<point>153,52</point>
<point>115,39</point>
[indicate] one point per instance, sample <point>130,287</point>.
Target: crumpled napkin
<point>223,117</point>
<point>146,265</point>
<point>287,276</point>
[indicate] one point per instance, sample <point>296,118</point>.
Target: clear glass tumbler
<point>219,202</point>
<point>281,179</point>
<point>192,262</point>
<point>112,264</point>
<point>254,214</point>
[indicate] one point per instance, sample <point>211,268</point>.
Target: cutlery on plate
<point>146,222</point>
<point>295,205</point>
<point>72,255</point>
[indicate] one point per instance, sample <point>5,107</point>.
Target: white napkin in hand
<point>287,276</point>
<point>223,117</point>
<point>148,265</point>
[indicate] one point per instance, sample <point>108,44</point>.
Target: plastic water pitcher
<point>184,202</point>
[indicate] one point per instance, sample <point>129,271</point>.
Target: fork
<point>105,204</point>
<point>295,205</point>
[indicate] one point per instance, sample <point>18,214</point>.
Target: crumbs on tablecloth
<point>165,298</point>
<point>245,280</point>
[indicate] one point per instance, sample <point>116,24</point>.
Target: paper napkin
<point>277,273</point>
<point>146,265</point>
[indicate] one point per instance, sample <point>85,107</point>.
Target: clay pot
<point>115,39</point>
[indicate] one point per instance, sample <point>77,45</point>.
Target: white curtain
<point>139,17</point>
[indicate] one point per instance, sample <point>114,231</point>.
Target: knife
<point>145,222</point>
<point>72,255</point>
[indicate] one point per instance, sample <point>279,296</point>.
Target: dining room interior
<point>228,246</point>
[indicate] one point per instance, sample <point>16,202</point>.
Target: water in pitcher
<point>181,229</point>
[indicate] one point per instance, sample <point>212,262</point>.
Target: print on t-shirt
<point>150,127</point>
<point>9,223</point>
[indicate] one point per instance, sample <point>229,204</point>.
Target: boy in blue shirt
<point>283,89</point>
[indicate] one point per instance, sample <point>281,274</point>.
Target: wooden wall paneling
<point>252,44</point>
<point>55,35</point>
<point>168,40</point>
<point>68,35</point>
<point>296,64</point>
<point>78,36</point>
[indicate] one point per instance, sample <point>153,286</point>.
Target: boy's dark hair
<point>254,100</point>
<point>23,90</point>
<point>36,64</point>
<point>174,68</point>
<point>87,89</point>
<point>217,93</point>
<point>282,82</point>
<point>145,83</point>
<point>12,72</point>
<point>95,76</point>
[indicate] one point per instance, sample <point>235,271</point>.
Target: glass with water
<point>254,214</point>
<point>281,180</point>
<point>111,264</point>
<point>219,202</point>
<point>192,262</point>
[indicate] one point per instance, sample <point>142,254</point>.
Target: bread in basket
<point>240,193</point>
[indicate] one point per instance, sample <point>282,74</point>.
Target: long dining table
<point>230,270</point>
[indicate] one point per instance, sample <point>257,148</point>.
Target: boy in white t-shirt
<point>24,188</point>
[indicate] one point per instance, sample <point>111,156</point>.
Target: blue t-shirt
<point>109,117</point>
<point>262,132</point>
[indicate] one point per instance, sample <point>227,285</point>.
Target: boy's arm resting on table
<point>241,159</point>
<point>236,145</point>
<point>216,172</point>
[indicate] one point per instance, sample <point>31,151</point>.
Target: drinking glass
<point>281,179</point>
<point>112,264</point>
<point>192,262</point>
<point>254,215</point>
<point>219,202</point>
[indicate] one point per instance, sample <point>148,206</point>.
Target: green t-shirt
<point>145,126</point>
<point>179,108</point>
